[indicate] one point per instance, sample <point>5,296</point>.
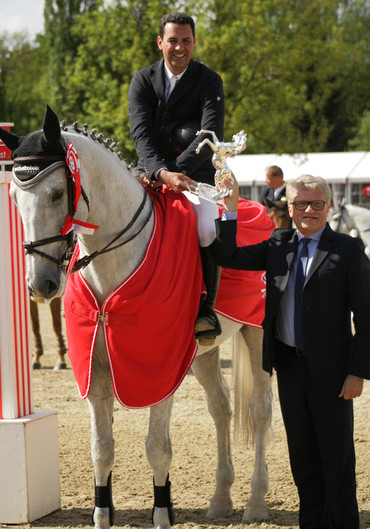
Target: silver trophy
<point>221,151</point>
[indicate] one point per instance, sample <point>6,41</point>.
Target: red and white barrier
<point>29,455</point>
<point>15,358</point>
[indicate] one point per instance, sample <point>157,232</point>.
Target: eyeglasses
<point>302,205</point>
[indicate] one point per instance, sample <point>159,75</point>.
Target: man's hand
<point>147,182</point>
<point>232,199</point>
<point>352,387</point>
<point>176,181</point>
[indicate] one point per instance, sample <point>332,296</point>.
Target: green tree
<point>361,140</point>
<point>286,66</point>
<point>22,81</point>
<point>115,42</point>
<point>296,72</point>
<point>60,17</point>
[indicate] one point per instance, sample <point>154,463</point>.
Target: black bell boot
<point>162,498</point>
<point>207,326</point>
<point>103,498</point>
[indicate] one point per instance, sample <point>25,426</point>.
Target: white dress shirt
<point>285,312</point>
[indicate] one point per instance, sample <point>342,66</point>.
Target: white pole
<point>29,455</point>
<point>16,398</point>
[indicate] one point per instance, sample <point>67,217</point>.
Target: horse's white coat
<point>353,220</point>
<point>114,196</point>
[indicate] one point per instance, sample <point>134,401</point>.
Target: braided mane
<point>108,142</point>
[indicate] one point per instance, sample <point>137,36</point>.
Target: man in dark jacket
<point>315,279</point>
<point>276,187</point>
<point>169,102</point>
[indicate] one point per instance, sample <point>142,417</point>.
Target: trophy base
<point>208,192</point>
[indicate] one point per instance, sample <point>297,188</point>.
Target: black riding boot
<point>207,326</point>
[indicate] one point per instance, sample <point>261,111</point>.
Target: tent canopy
<point>336,167</point>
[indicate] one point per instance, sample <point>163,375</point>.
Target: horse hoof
<point>36,365</point>
<point>161,519</point>
<point>216,511</point>
<point>60,366</point>
<point>255,514</point>
<point>100,518</point>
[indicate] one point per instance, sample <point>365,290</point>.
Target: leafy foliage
<point>296,72</point>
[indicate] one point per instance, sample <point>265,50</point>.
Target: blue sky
<point>22,15</point>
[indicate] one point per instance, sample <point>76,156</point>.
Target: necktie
<point>298,288</point>
<point>170,86</point>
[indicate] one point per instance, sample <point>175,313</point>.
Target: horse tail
<point>243,388</point>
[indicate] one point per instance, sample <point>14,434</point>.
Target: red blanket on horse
<point>241,295</point>
<point>148,361</point>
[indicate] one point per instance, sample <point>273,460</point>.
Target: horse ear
<point>51,127</point>
<point>281,205</point>
<point>11,140</point>
<point>268,202</point>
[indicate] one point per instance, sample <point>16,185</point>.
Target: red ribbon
<point>73,164</point>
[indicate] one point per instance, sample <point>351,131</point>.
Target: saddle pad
<point>148,321</point>
<point>241,295</point>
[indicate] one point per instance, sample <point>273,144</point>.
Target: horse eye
<point>57,195</point>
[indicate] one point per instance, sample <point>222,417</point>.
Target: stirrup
<point>204,340</point>
<point>208,336</point>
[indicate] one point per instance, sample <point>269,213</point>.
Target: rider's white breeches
<point>206,212</point>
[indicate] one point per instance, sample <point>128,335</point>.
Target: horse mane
<point>108,143</point>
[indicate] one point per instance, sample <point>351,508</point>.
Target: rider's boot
<point>207,326</point>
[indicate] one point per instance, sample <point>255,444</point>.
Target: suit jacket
<point>198,97</point>
<point>268,192</point>
<point>338,282</point>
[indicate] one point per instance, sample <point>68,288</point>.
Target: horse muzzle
<point>46,284</point>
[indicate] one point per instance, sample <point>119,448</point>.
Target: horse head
<point>68,181</point>
<point>341,221</point>
<point>42,203</point>
<point>278,211</point>
<point>240,140</point>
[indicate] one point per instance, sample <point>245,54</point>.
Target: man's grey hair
<point>310,183</point>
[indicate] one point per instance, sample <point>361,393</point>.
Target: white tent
<point>348,172</point>
<point>337,167</point>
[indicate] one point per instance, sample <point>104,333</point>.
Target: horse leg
<point>207,370</point>
<point>102,454</point>
<point>159,455</point>
<point>55,308</point>
<point>35,323</point>
<point>101,401</point>
<point>261,412</point>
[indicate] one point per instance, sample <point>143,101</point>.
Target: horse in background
<point>55,309</point>
<point>278,211</point>
<point>354,220</point>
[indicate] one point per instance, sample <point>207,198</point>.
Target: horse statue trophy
<point>68,181</point>
<point>221,151</point>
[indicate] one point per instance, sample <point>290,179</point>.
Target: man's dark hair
<point>275,170</point>
<point>176,17</point>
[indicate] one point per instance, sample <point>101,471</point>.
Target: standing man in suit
<point>169,102</point>
<point>308,339</point>
<point>276,187</point>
